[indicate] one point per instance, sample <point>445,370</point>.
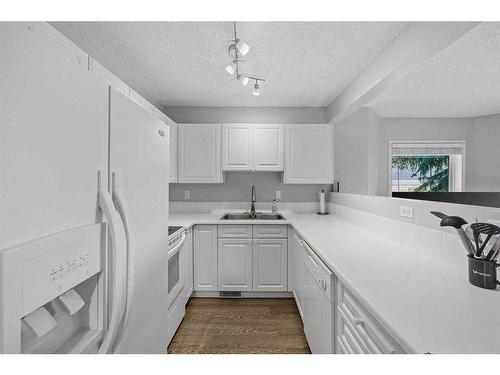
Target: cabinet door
<point>187,253</point>
<point>235,264</point>
<point>237,147</point>
<point>205,257</point>
<point>269,265</point>
<point>268,148</point>
<point>199,153</point>
<point>308,154</point>
<point>174,137</point>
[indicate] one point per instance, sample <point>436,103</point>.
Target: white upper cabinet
<point>237,154</point>
<point>100,71</point>
<point>268,147</point>
<point>308,154</point>
<point>199,153</point>
<point>252,147</point>
<point>173,137</point>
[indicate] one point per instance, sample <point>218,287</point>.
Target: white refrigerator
<point>71,146</point>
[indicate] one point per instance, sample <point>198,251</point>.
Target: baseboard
<point>212,294</point>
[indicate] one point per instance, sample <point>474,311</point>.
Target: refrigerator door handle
<point>116,254</point>
<point>124,212</point>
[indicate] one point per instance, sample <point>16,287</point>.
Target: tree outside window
<point>430,173</point>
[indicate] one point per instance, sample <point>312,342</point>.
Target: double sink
<point>248,216</point>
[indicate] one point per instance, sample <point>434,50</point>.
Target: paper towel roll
<point>322,201</point>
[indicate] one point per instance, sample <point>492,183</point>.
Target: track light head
<point>256,89</point>
<point>231,68</point>
<point>242,47</point>
<point>244,80</point>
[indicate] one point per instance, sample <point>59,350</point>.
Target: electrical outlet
<point>406,212</point>
<point>278,194</point>
<point>187,194</point>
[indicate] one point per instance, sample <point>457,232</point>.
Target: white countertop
<point>428,306</point>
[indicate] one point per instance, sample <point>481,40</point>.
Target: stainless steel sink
<point>270,217</point>
<point>247,216</point>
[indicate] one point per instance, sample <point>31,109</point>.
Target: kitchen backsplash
<point>421,233</point>
<point>237,188</point>
<point>208,207</point>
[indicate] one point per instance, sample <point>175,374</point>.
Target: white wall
<point>363,137</point>
<point>356,153</point>
<point>256,115</point>
<point>483,163</point>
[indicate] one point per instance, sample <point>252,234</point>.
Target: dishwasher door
<point>318,305</point>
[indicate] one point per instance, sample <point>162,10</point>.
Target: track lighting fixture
<point>235,49</point>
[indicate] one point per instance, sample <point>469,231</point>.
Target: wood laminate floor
<point>243,326</point>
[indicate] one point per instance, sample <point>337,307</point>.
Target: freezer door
<point>139,150</point>
<point>53,136</point>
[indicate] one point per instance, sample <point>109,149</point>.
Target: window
<point>426,167</point>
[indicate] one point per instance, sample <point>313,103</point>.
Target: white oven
<point>176,281</point>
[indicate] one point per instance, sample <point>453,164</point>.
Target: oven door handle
<point>176,248</point>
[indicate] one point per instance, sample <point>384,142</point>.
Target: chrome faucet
<point>252,206</point>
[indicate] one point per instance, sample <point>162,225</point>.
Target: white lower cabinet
<point>270,265</point>
<point>235,264</point>
<point>205,258</point>
<point>358,331</point>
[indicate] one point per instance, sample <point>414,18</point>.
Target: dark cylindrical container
<point>483,273</point>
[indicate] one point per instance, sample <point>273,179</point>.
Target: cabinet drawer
<point>270,231</point>
<point>348,337</point>
<point>234,231</point>
<point>373,336</point>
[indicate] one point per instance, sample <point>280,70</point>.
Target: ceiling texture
<point>463,80</point>
<point>305,64</point>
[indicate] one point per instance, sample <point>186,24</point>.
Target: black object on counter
<point>483,273</point>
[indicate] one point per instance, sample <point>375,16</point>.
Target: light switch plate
<point>406,212</point>
<point>278,194</point>
<point>187,194</point>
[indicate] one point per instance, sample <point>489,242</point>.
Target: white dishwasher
<point>319,306</point>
